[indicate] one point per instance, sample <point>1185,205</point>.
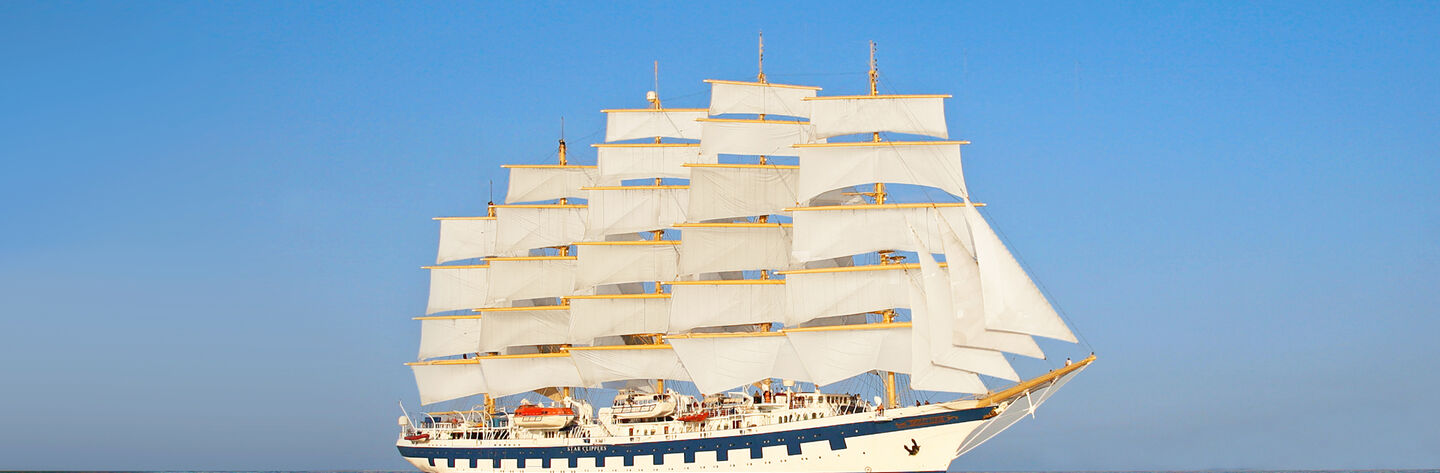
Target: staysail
<point>1012,302</point>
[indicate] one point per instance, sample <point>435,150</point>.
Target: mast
<point>563,250</point>
<point>654,98</point>
<point>886,257</point>
<point>875,90</point>
<point>760,77</point>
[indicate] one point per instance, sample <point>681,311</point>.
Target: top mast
<point>761,76</point>
<point>562,142</point>
<point>874,73</point>
<point>564,250</point>
<point>875,90</point>
<point>761,79</point>
<point>654,98</point>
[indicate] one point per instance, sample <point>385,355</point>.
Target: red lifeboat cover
<point>695,417</point>
<point>543,411</point>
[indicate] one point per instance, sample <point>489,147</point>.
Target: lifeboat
<point>543,418</point>
<point>418,438</point>
<point>697,417</point>
<point>646,410</point>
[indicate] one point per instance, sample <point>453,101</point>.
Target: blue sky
<point>215,213</point>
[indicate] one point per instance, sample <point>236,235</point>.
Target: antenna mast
<point>654,95</point>
<point>562,142</point>
<point>874,73</point>
<point>761,77</point>
<point>490,206</point>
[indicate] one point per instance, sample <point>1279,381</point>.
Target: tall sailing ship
<point>721,300</point>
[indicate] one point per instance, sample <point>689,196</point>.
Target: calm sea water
<point>1036,471</point>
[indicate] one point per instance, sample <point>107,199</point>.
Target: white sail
<point>449,337</point>
<point>832,355</point>
<point>593,317</point>
<point>741,190</point>
<point>466,238</point>
<point>518,326</point>
<point>928,373</point>
<point>718,303</point>
<point>931,329</point>
<point>616,210</point>
<point>648,160</point>
<point>514,374</point>
<point>617,363</point>
<point>965,300</point>
<point>717,247</point>
<point>458,287</point>
<point>526,227</point>
<point>728,97</point>
<point>718,363</point>
<point>632,124</point>
<point>438,383</point>
<point>923,163</point>
<point>1012,302</point>
<point>753,137</point>
<point>912,114</point>
<point>626,261</point>
<point>543,182</point>
<point>530,277</point>
<point>827,292</point>
<point>827,232</point>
